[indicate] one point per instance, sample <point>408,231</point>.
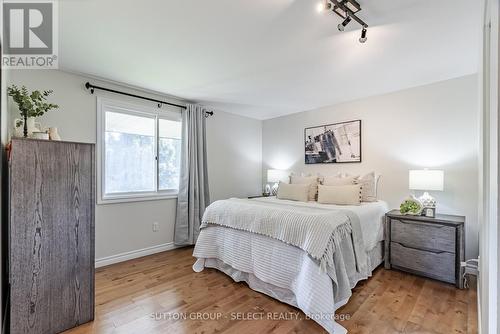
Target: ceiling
<point>263,58</point>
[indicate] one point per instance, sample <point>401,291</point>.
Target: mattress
<point>287,273</point>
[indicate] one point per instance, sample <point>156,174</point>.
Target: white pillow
<point>294,192</point>
<point>340,195</point>
<point>369,183</point>
<point>339,181</point>
<point>312,181</point>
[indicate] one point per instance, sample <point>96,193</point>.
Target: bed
<point>290,272</point>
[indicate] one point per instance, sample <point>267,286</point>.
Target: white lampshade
<point>426,179</point>
<point>276,175</point>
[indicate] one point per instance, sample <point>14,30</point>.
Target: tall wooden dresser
<point>51,235</point>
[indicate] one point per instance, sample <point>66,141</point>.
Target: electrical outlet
<point>156,227</point>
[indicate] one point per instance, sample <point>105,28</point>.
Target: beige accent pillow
<point>339,181</point>
<point>294,192</point>
<point>369,183</point>
<point>340,195</point>
<point>312,181</point>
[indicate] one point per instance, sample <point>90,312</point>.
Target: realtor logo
<point>29,34</point>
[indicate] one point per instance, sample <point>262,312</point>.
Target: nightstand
<point>431,247</point>
<point>258,196</point>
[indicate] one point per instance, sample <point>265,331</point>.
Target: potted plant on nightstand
<point>31,105</point>
<point>411,206</point>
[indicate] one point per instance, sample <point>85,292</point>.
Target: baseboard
<point>106,261</point>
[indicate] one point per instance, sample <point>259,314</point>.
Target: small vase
<point>33,126</point>
<point>18,127</point>
<point>54,134</point>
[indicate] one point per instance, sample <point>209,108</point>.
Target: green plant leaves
<point>31,104</point>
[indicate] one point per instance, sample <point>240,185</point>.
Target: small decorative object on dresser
<point>32,127</point>
<point>40,135</point>
<point>411,206</point>
<point>431,247</point>
<point>427,180</point>
<point>429,212</point>
<point>54,134</point>
<point>30,105</point>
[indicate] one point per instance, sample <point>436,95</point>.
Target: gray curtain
<point>193,182</point>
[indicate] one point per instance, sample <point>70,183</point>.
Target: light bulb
<point>323,6</point>
<point>363,37</point>
<point>342,26</point>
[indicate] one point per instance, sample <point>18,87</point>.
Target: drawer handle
<point>419,249</point>
<point>419,223</point>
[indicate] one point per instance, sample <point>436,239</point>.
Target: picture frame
<point>333,143</point>
<point>429,212</point>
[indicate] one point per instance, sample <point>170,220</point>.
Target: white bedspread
<point>370,215</point>
<point>316,230</point>
<point>286,272</point>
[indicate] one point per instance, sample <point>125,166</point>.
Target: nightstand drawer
<point>427,236</point>
<point>439,265</point>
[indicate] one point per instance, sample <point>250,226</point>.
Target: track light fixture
<point>324,5</point>
<point>347,10</point>
<point>342,25</point>
<point>363,38</point>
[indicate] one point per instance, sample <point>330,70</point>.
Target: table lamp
<point>427,180</point>
<point>275,176</point>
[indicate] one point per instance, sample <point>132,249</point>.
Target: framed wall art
<point>333,143</point>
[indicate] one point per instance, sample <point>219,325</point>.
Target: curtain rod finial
<point>88,85</point>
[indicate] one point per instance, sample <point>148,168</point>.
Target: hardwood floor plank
<point>162,294</point>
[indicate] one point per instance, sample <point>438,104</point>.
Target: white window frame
<point>105,104</point>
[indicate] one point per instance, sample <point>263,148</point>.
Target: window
<point>169,158</point>
<point>139,149</point>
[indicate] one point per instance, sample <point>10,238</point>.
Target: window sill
<point>129,199</point>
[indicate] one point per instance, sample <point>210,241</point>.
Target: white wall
<point>127,227</point>
<point>489,250</point>
<point>3,200</point>
<point>433,126</point>
<point>234,156</point>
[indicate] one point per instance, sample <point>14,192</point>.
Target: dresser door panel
<point>51,236</point>
<point>440,265</point>
<point>423,235</point>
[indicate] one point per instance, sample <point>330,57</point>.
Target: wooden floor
<point>162,294</point>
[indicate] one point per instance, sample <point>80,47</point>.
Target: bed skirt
<point>305,297</point>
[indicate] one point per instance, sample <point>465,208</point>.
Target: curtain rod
<point>88,85</point>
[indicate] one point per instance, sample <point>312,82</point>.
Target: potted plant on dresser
<point>31,105</point>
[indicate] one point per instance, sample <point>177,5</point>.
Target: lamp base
<point>427,200</point>
<point>275,189</point>
<point>267,190</point>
